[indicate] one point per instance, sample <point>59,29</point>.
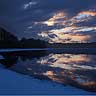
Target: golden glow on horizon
<point>61,36</point>
<point>69,38</point>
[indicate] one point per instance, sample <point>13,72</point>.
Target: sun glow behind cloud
<point>58,18</point>
<point>83,16</point>
<point>39,18</point>
<point>65,29</point>
<point>88,13</point>
<point>61,18</point>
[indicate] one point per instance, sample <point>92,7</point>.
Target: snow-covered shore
<point>14,83</point>
<point>23,49</point>
<point>54,50</point>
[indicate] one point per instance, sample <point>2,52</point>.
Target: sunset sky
<point>56,21</point>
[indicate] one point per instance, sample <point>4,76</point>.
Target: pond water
<point>76,70</point>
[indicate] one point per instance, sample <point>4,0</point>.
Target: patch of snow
<point>31,49</point>
<point>14,83</point>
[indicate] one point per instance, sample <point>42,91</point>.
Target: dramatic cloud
<point>61,29</point>
<point>59,21</point>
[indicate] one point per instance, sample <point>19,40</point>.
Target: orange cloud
<point>57,18</point>
<point>91,13</point>
<point>69,31</point>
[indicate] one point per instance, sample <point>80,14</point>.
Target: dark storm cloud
<point>89,23</point>
<point>18,15</point>
<point>13,7</point>
<point>73,6</point>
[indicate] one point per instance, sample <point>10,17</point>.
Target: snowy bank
<point>14,83</point>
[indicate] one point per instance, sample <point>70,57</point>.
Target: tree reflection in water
<point>78,70</point>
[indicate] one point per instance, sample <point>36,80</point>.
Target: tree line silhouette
<point>8,40</point>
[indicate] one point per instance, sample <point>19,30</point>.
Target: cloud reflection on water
<point>76,70</point>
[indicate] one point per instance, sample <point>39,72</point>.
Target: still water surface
<point>76,70</point>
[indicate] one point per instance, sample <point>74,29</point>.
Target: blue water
<point>42,72</point>
<point>45,71</point>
